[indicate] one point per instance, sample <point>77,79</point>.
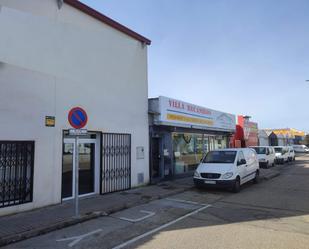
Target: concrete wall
<point>52,60</point>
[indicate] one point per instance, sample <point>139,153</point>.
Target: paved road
<point>272,214</point>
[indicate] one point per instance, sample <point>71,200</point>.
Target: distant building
<point>291,136</point>
<point>263,138</point>
<point>246,133</point>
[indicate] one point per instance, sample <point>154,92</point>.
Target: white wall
<point>53,60</point>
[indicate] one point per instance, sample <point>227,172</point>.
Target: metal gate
<point>116,162</point>
<point>16,172</point>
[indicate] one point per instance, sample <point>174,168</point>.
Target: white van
<point>300,148</point>
<point>266,155</point>
<point>282,154</point>
<point>227,168</point>
<point>291,154</point>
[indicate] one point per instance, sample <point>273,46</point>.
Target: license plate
<point>210,182</point>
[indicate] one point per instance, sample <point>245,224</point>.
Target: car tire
<point>236,187</point>
<point>257,177</point>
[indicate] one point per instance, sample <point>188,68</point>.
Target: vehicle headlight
<point>196,174</point>
<point>227,175</point>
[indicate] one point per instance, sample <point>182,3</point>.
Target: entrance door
<point>87,167</point>
<point>155,158</point>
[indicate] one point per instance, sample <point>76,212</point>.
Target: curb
<point>270,176</point>
<point>83,218</point>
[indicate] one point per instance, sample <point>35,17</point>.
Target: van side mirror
<point>241,162</point>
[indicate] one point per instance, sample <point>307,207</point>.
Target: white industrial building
<point>263,138</point>
<point>55,55</point>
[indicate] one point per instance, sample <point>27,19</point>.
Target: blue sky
<point>240,56</point>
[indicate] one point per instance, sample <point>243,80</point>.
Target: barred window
<point>16,172</point>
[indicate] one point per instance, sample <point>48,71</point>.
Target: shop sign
<point>250,129</point>
<point>78,132</point>
<point>173,112</point>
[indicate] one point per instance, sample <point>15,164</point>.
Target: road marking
<point>184,201</point>
<point>160,228</point>
<point>149,214</point>
<point>77,239</point>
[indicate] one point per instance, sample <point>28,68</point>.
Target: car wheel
<point>236,187</point>
<point>257,177</point>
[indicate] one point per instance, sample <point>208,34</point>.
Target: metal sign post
<point>78,119</point>
<point>76,190</point>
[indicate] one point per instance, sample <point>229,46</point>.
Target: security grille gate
<point>116,162</point>
<point>16,172</point>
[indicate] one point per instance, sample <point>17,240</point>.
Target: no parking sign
<point>77,117</point>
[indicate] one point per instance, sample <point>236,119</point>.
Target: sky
<point>248,57</point>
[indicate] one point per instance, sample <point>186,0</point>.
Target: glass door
<point>86,151</point>
<point>67,170</point>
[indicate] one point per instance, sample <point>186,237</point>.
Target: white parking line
<point>160,228</point>
<point>184,201</point>
<point>149,214</point>
<point>77,239</point>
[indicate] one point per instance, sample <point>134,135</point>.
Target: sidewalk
<point>33,223</point>
<point>29,224</point>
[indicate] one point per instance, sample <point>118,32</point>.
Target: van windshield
<point>278,149</point>
<point>220,157</point>
<point>260,150</point>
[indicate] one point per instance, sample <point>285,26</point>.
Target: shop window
<point>188,151</point>
<point>16,172</point>
<point>190,148</point>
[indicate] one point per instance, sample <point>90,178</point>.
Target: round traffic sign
<point>77,117</point>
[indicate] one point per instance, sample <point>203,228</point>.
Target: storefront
<point>182,133</point>
<point>53,58</point>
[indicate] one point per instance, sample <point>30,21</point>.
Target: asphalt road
<point>272,214</point>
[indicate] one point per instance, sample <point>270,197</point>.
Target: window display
<point>190,148</point>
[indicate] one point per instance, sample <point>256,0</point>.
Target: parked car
<point>266,155</point>
<point>291,154</point>
<point>282,154</point>
<point>228,168</point>
<point>300,148</point>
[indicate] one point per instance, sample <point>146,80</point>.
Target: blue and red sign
<point>77,117</point>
